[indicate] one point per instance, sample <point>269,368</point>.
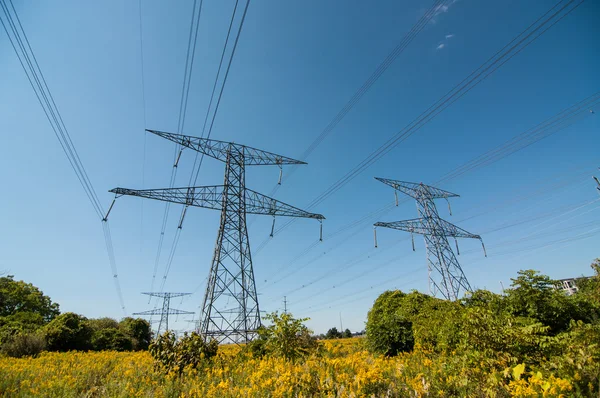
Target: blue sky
<point>296,66</point>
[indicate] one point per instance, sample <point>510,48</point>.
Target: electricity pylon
<point>445,274</point>
<point>166,309</point>
<point>231,274</point>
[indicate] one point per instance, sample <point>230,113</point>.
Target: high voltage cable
<point>366,86</point>
<point>355,261</point>
<point>178,232</point>
<point>514,47</point>
<point>187,77</point>
<point>31,67</point>
<point>237,38</point>
<point>558,122</point>
<point>584,235</point>
<point>144,136</point>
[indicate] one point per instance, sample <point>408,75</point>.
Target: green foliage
<point>333,334</point>
<point>139,331</point>
<point>24,344</point>
<point>110,339</point>
<point>286,337</point>
<point>347,334</point>
<point>67,332</point>
<point>172,355</point>
<point>23,308</point>
<point>389,322</point>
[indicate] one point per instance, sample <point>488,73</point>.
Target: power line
<point>506,53</point>
<point>563,119</point>
<point>178,232</point>
<point>187,78</point>
<point>27,59</point>
<point>366,86</point>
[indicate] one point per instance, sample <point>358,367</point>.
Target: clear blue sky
<point>296,65</point>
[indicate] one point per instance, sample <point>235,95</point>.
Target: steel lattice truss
<point>230,310</point>
<point>220,150</point>
<point>445,274</point>
<point>166,309</point>
<point>211,197</point>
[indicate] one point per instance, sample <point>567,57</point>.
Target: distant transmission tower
<point>445,274</point>
<point>231,275</point>
<point>166,309</point>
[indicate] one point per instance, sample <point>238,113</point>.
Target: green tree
<point>139,330</point>
<point>68,331</point>
<point>110,339</point>
<point>535,296</point>
<point>347,334</point>
<point>23,307</point>
<point>333,333</point>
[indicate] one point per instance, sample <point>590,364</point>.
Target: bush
<point>111,339</point>
<point>191,350</point>
<point>287,337</point>
<point>24,345</point>
<point>389,328</point>
<point>67,332</point>
<point>139,330</point>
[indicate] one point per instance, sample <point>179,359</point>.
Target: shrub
<point>389,329</point>
<point>191,350</point>
<point>67,332</point>
<point>286,337</point>
<point>111,339</point>
<point>24,345</point>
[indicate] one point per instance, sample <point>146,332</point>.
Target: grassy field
<point>341,368</point>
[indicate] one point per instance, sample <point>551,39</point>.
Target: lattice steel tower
<point>445,274</point>
<point>166,309</point>
<point>231,276</point>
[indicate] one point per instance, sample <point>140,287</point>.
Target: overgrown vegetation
<point>175,355</point>
<point>531,341</point>
<point>30,323</point>
<point>286,337</point>
<point>533,325</point>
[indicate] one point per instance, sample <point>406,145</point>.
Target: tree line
<point>30,323</point>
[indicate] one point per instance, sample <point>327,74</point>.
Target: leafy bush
<point>286,337</point>
<point>389,327</point>
<point>172,355</point>
<point>68,331</point>
<point>111,339</point>
<point>138,330</point>
<point>24,344</point>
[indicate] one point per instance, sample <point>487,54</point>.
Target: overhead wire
<point>357,260</point>
<point>179,228</point>
<point>506,53</point>
<point>368,84</point>
<point>550,126</point>
<point>187,78</point>
<point>26,56</point>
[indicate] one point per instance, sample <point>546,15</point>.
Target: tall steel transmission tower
<point>230,308</point>
<point>445,274</point>
<point>166,309</point>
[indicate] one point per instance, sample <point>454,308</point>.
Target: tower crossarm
<point>211,197</point>
<point>257,203</point>
<point>219,150</point>
<point>160,311</point>
<point>165,294</point>
<point>420,226</point>
<point>417,190</point>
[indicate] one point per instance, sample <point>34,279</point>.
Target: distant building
<point>569,285</point>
